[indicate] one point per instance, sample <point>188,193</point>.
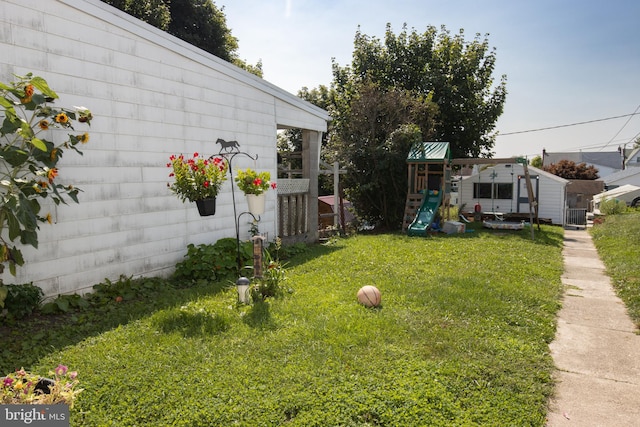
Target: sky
<point>566,61</point>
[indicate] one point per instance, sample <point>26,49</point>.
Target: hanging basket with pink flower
<point>197,179</point>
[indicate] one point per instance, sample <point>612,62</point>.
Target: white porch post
<point>311,142</point>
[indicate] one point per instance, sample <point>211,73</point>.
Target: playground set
<point>429,188</point>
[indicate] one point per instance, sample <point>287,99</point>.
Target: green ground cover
<point>618,242</point>
<point>461,338</point>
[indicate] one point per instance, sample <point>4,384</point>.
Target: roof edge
<point>134,25</point>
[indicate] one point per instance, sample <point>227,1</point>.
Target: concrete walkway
<point>596,349</point>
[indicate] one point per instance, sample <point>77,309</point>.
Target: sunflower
<point>84,138</point>
<point>62,118</point>
<point>28,93</point>
<point>51,174</point>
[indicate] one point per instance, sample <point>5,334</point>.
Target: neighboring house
<point>152,95</point>
<point>580,192</point>
<point>628,176</point>
<point>632,157</point>
<point>502,188</point>
<point>607,162</point>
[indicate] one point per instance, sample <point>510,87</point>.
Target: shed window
<point>481,190</point>
<point>503,191</point>
<point>486,190</point>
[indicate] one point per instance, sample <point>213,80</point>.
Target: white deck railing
<point>576,218</point>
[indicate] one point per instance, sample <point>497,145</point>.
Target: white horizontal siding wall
<point>630,176</point>
<point>551,196</point>
<point>151,95</point>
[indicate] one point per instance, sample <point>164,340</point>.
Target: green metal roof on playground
<point>429,152</point>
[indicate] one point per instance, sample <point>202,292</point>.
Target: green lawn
<point>461,339</point>
<point>618,244</point>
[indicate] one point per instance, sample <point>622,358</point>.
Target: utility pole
<point>622,149</point>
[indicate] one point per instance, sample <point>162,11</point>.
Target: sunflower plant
<point>197,178</point>
<point>29,161</point>
<point>251,182</point>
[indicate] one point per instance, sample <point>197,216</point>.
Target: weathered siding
<point>551,196</point>
<point>152,95</point>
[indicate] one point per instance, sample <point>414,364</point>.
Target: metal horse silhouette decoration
<point>227,146</point>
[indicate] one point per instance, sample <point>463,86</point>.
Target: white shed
<point>151,95</point>
<point>502,188</point>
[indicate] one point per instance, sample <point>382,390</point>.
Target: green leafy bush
<point>612,207</point>
<point>124,289</point>
<point>217,262</point>
<point>64,304</point>
<point>22,300</point>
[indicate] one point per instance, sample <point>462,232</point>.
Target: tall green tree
<point>153,12</point>
<point>371,136</point>
<point>536,162</point>
<point>457,74</point>
<point>198,22</point>
<point>431,85</point>
<point>202,24</point>
<point>322,97</point>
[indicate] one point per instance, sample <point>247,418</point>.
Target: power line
<point>601,145</point>
<point>620,130</point>
<point>635,138</point>
<point>571,124</point>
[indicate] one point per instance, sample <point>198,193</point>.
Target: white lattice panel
<point>292,186</point>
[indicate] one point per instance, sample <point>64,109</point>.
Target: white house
<point>502,188</point>
<point>607,162</point>
<point>152,95</point>
<point>630,175</point>
<point>632,157</point>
